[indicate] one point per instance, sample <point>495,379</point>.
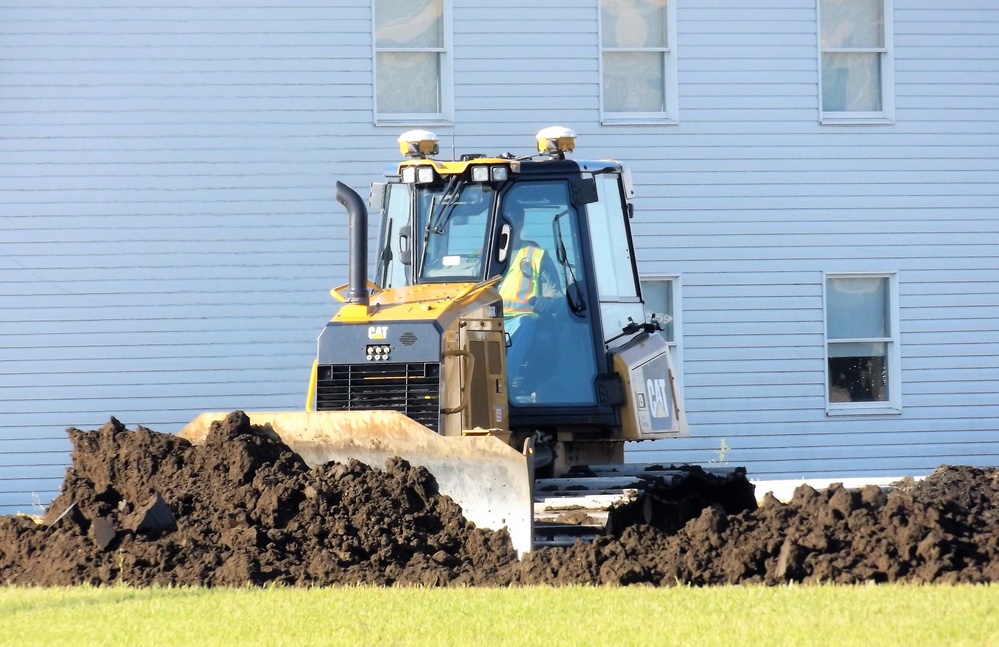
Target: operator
<point>529,289</point>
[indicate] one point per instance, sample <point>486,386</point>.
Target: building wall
<point>758,200</point>
<point>170,232</point>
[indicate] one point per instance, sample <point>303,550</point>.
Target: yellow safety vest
<point>522,282</point>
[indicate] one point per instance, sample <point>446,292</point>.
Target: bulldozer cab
<point>471,219</point>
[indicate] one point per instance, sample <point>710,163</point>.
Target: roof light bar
<point>423,174</point>
<point>492,173</point>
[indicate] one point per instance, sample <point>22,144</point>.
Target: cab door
<point>560,366</point>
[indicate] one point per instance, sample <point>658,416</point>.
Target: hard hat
<point>513,210</point>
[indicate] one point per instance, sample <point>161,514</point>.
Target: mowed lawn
<point>745,615</point>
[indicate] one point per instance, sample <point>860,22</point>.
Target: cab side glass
<point>395,248</point>
<point>612,257</point>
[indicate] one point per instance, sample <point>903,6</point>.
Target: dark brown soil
<point>142,507</point>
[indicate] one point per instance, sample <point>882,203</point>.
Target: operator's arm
<point>549,283</point>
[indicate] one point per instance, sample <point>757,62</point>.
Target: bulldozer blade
<point>489,479</point>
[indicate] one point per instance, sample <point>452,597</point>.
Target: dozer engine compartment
<point>432,353</point>
<point>652,406</point>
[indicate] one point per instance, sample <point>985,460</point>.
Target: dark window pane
<point>858,379</point>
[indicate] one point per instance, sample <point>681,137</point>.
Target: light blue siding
<point>170,234</point>
<point>761,200</point>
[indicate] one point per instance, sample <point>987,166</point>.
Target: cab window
<point>560,334</point>
<point>395,244</point>
<point>454,231</point>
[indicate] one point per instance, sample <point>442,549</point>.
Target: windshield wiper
<point>573,292</point>
<point>449,199</point>
<point>438,215</point>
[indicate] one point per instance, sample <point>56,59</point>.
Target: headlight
<point>483,173</point>
<point>421,174</point>
<point>480,173</point>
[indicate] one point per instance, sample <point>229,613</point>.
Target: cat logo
<point>377,332</point>
<point>659,398</point>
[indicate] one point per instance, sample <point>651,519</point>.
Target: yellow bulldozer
<point>504,345</point>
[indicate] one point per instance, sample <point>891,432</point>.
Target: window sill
<point>416,122</point>
<point>864,409</point>
<point>827,120</point>
<point>638,121</point>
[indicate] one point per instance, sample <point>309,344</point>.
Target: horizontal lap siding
<point>170,233</point>
<point>755,200</point>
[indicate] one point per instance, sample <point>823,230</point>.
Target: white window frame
<point>669,115</point>
<point>676,344</point>
<point>887,113</point>
<point>893,405</point>
<point>445,117</point>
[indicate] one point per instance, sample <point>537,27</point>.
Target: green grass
<point>731,616</point>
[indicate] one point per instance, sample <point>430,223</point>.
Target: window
<point>855,60</point>
<point>617,281</point>
<point>395,258</point>
<point>637,61</point>
<point>862,365</point>
<point>412,61</point>
<point>564,335</point>
<point>661,295</point>
<point>455,234</point>
<point>612,249</point>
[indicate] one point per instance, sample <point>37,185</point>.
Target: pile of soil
<point>142,507</point>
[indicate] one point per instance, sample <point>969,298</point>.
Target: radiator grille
<point>412,389</point>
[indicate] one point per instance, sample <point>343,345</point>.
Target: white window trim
<point>670,99</point>
<point>443,118</point>
<point>886,116</point>
<point>893,405</point>
<point>676,346</point>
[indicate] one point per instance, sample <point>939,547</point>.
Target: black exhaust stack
<point>357,241</point>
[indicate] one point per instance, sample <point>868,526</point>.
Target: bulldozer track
<point>599,500</point>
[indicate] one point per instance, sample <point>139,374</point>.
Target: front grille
<point>412,389</point>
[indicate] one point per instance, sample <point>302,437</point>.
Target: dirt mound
<point>145,508</point>
<point>149,508</point>
<point>943,529</point>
